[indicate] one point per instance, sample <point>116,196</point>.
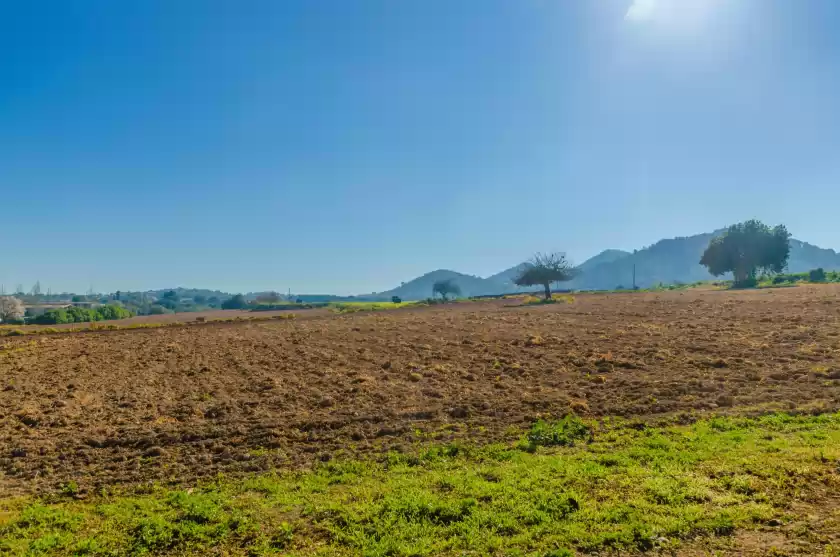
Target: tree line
<point>81,315</point>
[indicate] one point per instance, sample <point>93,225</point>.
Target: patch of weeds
<point>563,433</point>
<point>70,489</point>
<point>622,491</point>
<point>282,538</point>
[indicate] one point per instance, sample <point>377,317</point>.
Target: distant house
<point>86,305</point>
<point>38,309</point>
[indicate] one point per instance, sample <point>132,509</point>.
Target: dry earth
<point>176,404</point>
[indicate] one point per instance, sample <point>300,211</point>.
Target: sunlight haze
<point>346,147</point>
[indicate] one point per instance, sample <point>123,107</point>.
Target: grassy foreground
<point>566,487</point>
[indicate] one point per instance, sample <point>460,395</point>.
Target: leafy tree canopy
<point>445,288</point>
<point>544,269</point>
<point>747,248</point>
<point>236,302</point>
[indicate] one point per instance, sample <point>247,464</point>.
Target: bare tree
<point>544,269</point>
<point>11,309</point>
<point>444,288</point>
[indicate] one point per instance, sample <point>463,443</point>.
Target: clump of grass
<point>353,307</point>
<point>564,432</point>
<point>622,492</point>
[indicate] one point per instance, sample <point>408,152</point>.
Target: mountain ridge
<point>668,261</point>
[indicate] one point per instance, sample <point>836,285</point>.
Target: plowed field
<point>174,404</point>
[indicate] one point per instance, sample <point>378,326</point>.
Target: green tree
<point>445,288</point>
<point>236,302</point>
<point>816,275</point>
<point>171,295</point>
<point>53,317</point>
<point>747,248</point>
<point>544,269</point>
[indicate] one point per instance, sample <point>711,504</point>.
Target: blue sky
<point>345,146</point>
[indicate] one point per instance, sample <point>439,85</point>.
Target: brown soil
<point>176,404</point>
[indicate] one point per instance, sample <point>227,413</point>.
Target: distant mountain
<point>804,257</point>
<point>677,261</point>
<point>504,280</point>
<point>606,256</point>
<point>669,261</point>
<point>421,287</point>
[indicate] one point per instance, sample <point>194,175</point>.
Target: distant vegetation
<point>746,249</point>
<point>545,269</point>
<point>11,310</point>
<point>236,302</point>
<point>81,315</point>
<point>814,275</point>
<point>445,288</point>
<point>674,261</point>
<point>817,275</point>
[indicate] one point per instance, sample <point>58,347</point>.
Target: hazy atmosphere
<point>345,147</point>
<point>420,278</point>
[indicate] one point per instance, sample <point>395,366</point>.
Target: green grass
<point>566,487</point>
<point>351,307</point>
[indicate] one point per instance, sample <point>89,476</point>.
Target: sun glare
<point>674,17</point>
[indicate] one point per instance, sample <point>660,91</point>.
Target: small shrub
<point>396,300</point>
<point>562,433</point>
<point>816,275</point>
<point>563,552</point>
<point>236,302</point>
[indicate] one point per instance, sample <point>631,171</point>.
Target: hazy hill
<point>504,280</point>
<point>421,287</point>
<point>669,261</point>
<point>676,260</point>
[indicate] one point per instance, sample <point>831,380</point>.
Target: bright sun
<point>674,17</point>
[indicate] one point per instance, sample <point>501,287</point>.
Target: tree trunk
<point>547,290</point>
<point>741,275</point>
